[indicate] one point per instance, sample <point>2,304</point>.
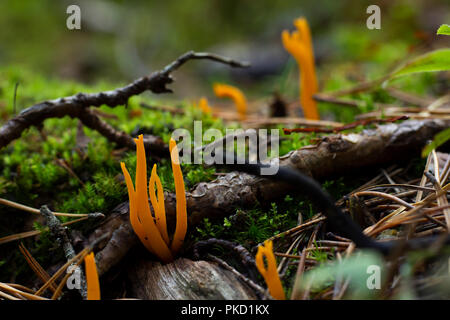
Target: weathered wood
<point>77,106</point>
<point>333,155</point>
<point>185,279</point>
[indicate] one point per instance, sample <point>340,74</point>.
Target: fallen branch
<point>256,121</point>
<point>336,154</point>
<point>76,106</point>
<point>61,214</point>
<point>28,234</point>
<point>352,125</point>
<point>325,97</point>
<point>60,234</point>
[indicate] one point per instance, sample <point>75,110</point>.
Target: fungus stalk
<point>270,274</point>
<point>204,106</point>
<point>299,45</point>
<point>93,284</point>
<point>181,227</point>
<point>226,91</point>
<point>158,204</point>
<point>141,218</point>
<point>152,231</point>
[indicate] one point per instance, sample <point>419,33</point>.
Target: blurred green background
<point>121,40</point>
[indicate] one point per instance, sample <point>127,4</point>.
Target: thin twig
<point>76,106</point>
<point>296,290</point>
<point>303,226</point>
<point>26,295</point>
<point>33,233</point>
<point>442,199</point>
<point>345,127</point>
<point>15,97</point>
<point>60,234</point>
<point>35,266</point>
<point>61,270</point>
<point>36,211</point>
<point>384,195</point>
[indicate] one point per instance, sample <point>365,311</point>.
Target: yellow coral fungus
<point>181,227</point>
<point>204,106</point>
<point>141,218</point>
<point>158,204</point>
<point>299,45</point>
<point>93,284</point>
<point>152,231</point>
<point>223,90</point>
<point>270,274</point>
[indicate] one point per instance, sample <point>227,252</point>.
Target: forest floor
<point>74,169</point>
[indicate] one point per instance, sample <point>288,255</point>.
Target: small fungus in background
<point>152,231</point>
<point>181,227</point>
<point>227,91</point>
<point>270,274</point>
<point>299,45</point>
<point>158,203</point>
<point>204,106</point>
<point>93,284</point>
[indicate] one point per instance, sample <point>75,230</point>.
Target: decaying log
<point>333,155</point>
<point>185,279</point>
<point>60,234</point>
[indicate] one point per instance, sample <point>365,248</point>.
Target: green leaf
<point>438,140</point>
<point>438,60</point>
<point>444,29</point>
<point>355,269</point>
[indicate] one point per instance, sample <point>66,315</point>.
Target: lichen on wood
<point>333,155</point>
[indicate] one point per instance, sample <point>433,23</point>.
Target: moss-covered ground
<point>34,168</point>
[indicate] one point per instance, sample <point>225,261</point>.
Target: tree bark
<point>185,279</point>
<point>333,155</point>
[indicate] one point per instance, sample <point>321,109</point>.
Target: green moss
<point>295,141</point>
<point>31,172</point>
<point>319,255</point>
<point>253,226</point>
<point>100,195</point>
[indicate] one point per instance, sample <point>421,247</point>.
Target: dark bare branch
<point>191,55</point>
<point>153,144</point>
<point>60,234</point>
<point>335,154</point>
<point>76,106</point>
